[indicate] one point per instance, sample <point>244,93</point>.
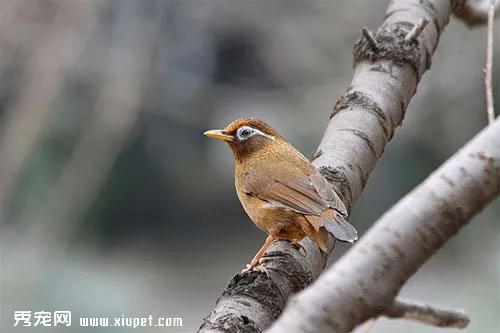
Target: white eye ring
<point>245,132</point>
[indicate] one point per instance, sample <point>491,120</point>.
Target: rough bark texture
<point>364,282</point>
<point>251,302</point>
<point>362,123</point>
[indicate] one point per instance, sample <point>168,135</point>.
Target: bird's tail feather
<point>336,225</point>
<point>341,229</point>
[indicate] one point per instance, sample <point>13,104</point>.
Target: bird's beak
<point>219,135</point>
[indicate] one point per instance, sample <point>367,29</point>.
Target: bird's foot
<point>299,246</point>
<point>257,266</point>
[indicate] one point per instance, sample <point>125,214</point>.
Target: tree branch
<point>475,12</point>
<point>488,71</point>
<point>362,123</point>
<point>364,282</point>
<point>427,314</point>
<point>417,30</point>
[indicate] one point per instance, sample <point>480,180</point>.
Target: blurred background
<point>113,202</point>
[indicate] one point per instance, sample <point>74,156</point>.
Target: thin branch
<point>370,39</point>
<point>427,314</point>
<point>417,30</point>
<point>475,12</point>
<point>488,72</point>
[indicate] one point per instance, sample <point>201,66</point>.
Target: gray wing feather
<point>327,193</point>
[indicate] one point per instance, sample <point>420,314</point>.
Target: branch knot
<point>392,44</point>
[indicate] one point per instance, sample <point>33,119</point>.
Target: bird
<point>280,190</point>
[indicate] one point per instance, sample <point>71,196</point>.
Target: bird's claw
<point>299,246</point>
<point>256,266</point>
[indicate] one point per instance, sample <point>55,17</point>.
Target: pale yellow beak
<point>219,135</point>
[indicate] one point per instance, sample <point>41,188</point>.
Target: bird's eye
<point>245,133</point>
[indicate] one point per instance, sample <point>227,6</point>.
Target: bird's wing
<point>340,229</point>
<point>306,193</point>
<point>293,190</point>
<point>327,193</point>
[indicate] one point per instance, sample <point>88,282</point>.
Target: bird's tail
<point>341,229</point>
<point>336,225</point>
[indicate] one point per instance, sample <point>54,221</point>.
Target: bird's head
<point>247,136</point>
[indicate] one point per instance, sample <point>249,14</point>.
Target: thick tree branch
<point>364,282</point>
<point>362,123</point>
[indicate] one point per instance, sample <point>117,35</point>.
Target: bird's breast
<point>256,209</point>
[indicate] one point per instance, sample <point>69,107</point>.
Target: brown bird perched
<point>280,190</point>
